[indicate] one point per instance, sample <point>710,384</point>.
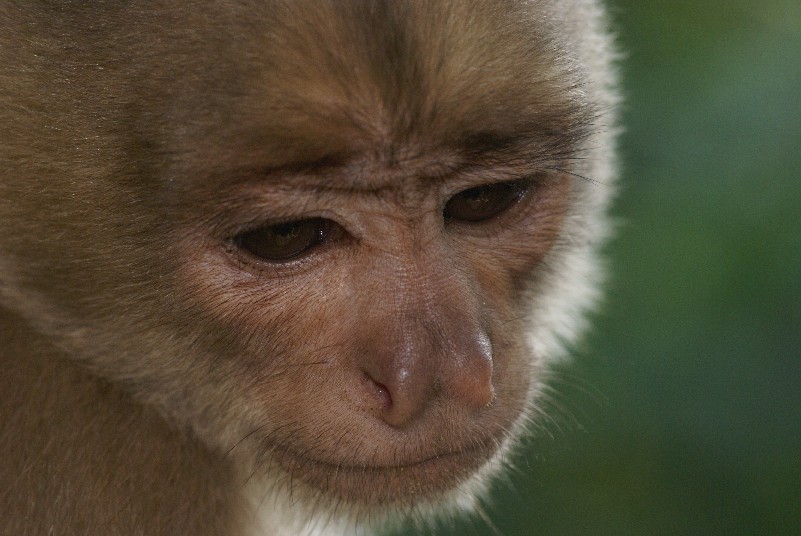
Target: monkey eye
<point>285,241</point>
<point>484,202</point>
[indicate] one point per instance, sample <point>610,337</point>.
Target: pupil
<point>285,232</point>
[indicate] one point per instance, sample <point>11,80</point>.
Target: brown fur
<point>90,460</point>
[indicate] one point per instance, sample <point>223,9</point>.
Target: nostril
<point>379,391</point>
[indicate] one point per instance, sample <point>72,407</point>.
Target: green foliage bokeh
<point>682,413</point>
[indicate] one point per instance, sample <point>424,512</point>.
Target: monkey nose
<point>405,386</point>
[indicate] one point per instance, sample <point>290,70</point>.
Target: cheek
<point>265,326</point>
<point>507,263</point>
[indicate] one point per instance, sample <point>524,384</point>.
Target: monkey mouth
<point>379,484</point>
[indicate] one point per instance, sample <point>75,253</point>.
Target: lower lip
<point>385,485</point>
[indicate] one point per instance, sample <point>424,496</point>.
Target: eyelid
<point>275,269</point>
<point>519,188</point>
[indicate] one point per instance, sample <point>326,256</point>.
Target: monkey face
<point>372,312</point>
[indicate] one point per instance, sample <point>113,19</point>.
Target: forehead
<point>302,81</point>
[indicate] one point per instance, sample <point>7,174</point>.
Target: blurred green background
<point>682,413</point>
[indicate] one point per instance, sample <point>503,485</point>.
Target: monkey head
<point>338,242</point>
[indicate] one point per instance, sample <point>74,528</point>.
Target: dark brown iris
<point>284,241</point>
<point>483,202</point>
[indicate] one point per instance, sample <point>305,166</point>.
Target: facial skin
<point>409,370</point>
<point>320,252</point>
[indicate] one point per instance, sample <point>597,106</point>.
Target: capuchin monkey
<point>288,267</point>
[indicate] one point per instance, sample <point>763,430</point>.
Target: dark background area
<point>682,412</point>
